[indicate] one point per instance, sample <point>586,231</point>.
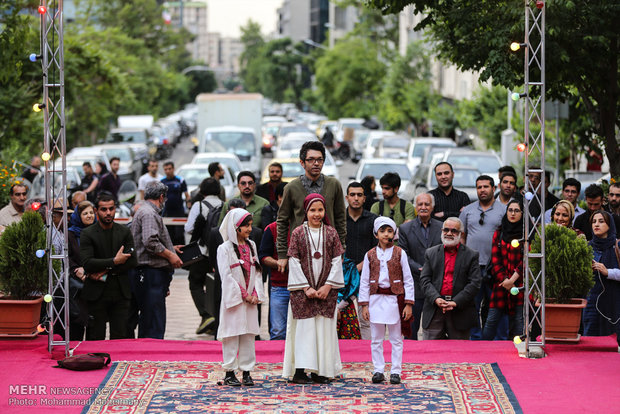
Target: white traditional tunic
<point>383,309</point>
<point>312,343</point>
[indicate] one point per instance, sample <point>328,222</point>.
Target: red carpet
<point>571,379</point>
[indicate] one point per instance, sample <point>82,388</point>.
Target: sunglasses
<point>481,221</point>
<point>453,231</point>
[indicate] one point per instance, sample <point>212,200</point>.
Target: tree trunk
<point>612,150</point>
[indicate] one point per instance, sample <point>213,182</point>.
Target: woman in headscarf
<point>83,216</point>
<point>315,275</point>
<point>507,271</point>
<point>601,316</point>
<point>242,291</point>
<point>563,214</point>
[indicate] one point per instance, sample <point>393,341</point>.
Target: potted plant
<point>568,279</point>
<point>23,276</point>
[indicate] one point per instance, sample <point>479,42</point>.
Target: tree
<point>349,78</point>
<point>582,50</point>
<point>486,113</point>
<point>250,59</point>
<point>407,94</point>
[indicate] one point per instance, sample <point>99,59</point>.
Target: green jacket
<point>255,207</point>
<point>291,213</point>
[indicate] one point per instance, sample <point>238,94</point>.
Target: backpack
<point>203,226</point>
<point>402,207</point>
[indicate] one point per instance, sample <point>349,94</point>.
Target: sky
<point>226,16</point>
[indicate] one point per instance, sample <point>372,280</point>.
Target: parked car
<point>130,165</point>
<point>419,145</point>
<point>139,139</point>
<point>361,137</point>
<point>379,166</point>
<point>486,162</point>
<point>288,127</point>
<point>344,123</point>
<point>229,160</point>
<point>241,141</point>
<point>424,180</point>
<point>72,183</point>
<point>394,146</point>
<point>269,134</point>
<point>289,146</point>
<point>193,174</point>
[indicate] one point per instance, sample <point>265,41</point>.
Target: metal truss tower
<point>534,135</point>
<point>52,60</point>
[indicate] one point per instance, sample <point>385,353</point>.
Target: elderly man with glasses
<point>450,279</point>
<point>480,220</point>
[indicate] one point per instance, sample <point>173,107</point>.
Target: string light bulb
<point>514,291</point>
<point>46,156</point>
<point>529,195</point>
<point>517,340</point>
<point>521,147</point>
<point>514,243</point>
<point>38,107</point>
<point>42,9</point>
<point>40,253</point>
<point>47,298</point>
<point>35,205</point>
<point>514,46</point>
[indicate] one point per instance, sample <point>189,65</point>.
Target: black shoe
<point>394,379</point>
<point>231,379</point>
<point>319,379</point>
<point>377,378</point>
<point>301,377</point>
<point>204,324</point>
<point>247,379</point>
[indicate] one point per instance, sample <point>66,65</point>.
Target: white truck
<point>232,123</point>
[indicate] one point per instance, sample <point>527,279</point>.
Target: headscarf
<point>311,199</point>
<point>606,245</point>
<point>568,206</point>
<point>385,221</point>
<point>232,221</point>
<point>511,231</point>
<point>75,222</point>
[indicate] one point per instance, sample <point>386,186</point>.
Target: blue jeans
<point>152,287</point>
<point>515,323</point>
<point>278,311</point>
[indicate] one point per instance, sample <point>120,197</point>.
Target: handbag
<point>85,362</point>
<point>191,254</point>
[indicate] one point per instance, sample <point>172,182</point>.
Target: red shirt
<point>449,259</point>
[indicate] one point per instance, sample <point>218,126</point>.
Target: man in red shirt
<point>450,279</point>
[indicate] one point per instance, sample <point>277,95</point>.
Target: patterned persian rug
<point>192,387</point>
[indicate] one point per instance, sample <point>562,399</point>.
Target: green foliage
<point>349,78</point>
<point>581,57</point>
<point>486,113</point>
<point>568,263</point>
<point>22,273</point>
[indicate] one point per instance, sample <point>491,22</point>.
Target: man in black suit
<point>414,238</point>
<point>106,249</point>
<point>450,279</point>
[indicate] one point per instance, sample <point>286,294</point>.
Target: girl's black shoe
<point>301,377</point>
<point>231,379</point>
<point>319,379</point>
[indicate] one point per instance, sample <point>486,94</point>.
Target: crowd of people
<point>333,269</point>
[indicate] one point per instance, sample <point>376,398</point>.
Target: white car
<point>419,145</point>
<point>289,146</point>
<point>343,123</point>
<point>394,147</point>
<point>488,163</point>
<point>79,155</point>
<point>229,160</point>
<point>377,167</point>
<point>193,174</point>
<point>241,141</point>
<point>372,143</point>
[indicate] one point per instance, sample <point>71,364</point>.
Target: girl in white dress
<point>242,291</point>
<point>315,275</point>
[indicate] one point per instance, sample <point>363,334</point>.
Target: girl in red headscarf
<point>315,275</point>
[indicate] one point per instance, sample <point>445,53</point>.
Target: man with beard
<point>449,290</point>
<point>268,190</point>
<point>107,252</point>
<point>392,206</point>
<point>414,238</point>
<point>480,220</point>
<point>246,182</point>
<point>507,188</point>
<point>614,199</point>
<point>448,200</point>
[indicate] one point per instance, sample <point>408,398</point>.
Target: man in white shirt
<point>12,213</point>
<point>150,176</point>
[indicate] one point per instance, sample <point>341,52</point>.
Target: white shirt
<point>147,178</point>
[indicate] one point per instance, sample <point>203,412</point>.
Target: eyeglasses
<point>514,210</point>
<point>315,160</point>
<point>447,230</point>
<point>481,221</point>
<point>246,183</point>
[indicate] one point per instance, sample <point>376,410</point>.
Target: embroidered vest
<point>394,270</point>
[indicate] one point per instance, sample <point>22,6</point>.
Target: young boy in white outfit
<point>386,294</point>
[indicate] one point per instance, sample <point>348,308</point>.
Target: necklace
<point>317,254</point>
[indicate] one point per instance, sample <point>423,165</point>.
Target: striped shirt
<point>450,204</point>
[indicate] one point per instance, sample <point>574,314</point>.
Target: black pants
<point>198,287</point>
<point>114,310</point>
